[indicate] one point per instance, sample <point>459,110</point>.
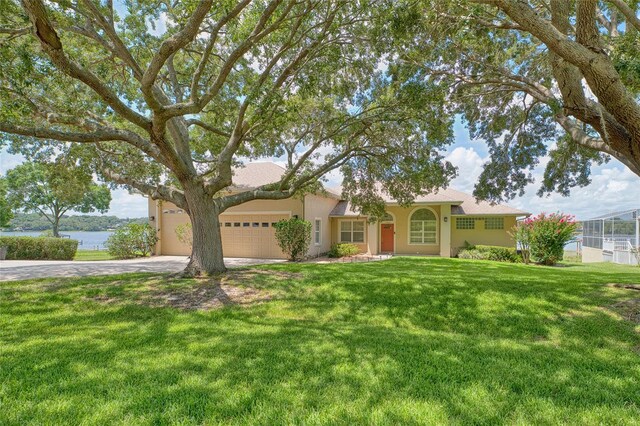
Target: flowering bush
<point>543,237</point>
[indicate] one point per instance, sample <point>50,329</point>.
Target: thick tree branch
<point>154,191</point>
<point>50,42</point>
<point>628,13</point>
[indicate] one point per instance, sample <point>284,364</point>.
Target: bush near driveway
<point>294,237</point>
<point>39,248</point>
<point>132,240</point>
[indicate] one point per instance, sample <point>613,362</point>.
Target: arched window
<point>423,227</point>
<point>387,218</point>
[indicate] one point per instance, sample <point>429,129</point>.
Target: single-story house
<point>435,224</point>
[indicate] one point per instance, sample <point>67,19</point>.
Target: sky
<point>613,186</point>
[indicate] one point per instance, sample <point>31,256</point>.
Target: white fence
<point>620,251</point>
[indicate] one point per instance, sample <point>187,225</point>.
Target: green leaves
<point>54,188</point>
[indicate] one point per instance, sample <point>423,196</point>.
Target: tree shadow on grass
<point>409,342</point>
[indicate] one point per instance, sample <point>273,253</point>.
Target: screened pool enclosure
<point>614,237</point>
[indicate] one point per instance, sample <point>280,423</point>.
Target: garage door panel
<point>251,238</point>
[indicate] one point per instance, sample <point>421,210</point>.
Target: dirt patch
<point>235,288</point>
<point>625,286</point>
<point>207,296</point>
<point>628,309</point>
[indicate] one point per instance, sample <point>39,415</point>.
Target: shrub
<point>546,235</point>
<point>497,253</point>
<point>470,253</point>
<point>39,248</point>
<point>132,240</point>
<point>521,233</point>
<point>294,237</point>
<point>342,250</point>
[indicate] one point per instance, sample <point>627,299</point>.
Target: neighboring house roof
<point>462,204</point>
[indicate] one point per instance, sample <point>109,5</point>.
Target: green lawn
<point>93,255</point>
<point>404,341</point>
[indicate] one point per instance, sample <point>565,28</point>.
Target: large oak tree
<point>167,97</point>
<point>529,75</point>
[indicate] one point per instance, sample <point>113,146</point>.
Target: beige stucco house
<point>436,224</point>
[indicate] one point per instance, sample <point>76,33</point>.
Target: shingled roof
<point>254,175</point>
<point>461,204</point>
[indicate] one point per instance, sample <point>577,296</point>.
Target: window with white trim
<point>423,227</point>
<point>317,231</point>
<point>465,223</point>
<point>494,223</point>
<point>352,231</point>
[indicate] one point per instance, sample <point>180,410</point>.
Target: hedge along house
<point>613,237</point>
<point>435,224</point>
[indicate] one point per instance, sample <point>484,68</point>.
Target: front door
<point>386,238</point>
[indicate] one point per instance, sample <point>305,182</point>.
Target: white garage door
<point>251,235</point>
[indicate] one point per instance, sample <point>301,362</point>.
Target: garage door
<point>251,235</point>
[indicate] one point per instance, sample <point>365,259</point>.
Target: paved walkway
<point>11,270</point>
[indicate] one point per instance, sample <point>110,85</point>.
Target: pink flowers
<point>544,236</point>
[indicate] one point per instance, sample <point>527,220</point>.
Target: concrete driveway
<point>11,270</point>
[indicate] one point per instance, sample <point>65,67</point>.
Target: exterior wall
<point>293,205</point>
<point>335,233</point>
<point>445,231</point>
<point>319,207</point>
<point>166,223</point>
<point>591,255</point>
<point>479,235</point>
<point>401,223</point>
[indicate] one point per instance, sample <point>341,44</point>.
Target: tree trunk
<point>56,226</point>
<point>206,251</point>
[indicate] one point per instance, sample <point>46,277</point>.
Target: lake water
<point>86,240</point>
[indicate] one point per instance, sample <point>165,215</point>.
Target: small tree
<point>132,240</point>
<point>294,237</point>
<point>548,236</point>
<point>521,233</point>
<point>52,189</point>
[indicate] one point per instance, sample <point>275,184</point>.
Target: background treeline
<point>36,222</point>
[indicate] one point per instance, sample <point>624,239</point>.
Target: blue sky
<point>613,186</point>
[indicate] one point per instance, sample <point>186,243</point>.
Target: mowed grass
<point>404,341</point>
<point>93,255</point>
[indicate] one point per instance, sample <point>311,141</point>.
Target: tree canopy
<point>170,112</point>
<point>534,78</point>
<point>52,189</point>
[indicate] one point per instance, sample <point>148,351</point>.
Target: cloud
<point>469,165</point>
<point>9,161</point>
<point>124,204</point>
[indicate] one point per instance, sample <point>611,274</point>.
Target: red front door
<point>386,238</point>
